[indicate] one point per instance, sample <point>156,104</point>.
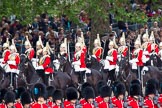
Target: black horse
<point>27,72</point>
<point>67,67</point>
<point>31,77</point>
<point>94,64</point>
<point>126,74</point>
<point>4,82</point>
<point>154,61</point>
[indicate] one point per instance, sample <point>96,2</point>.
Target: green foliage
<point>26,10</point>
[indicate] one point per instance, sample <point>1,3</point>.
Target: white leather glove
<point>109,58</point>
<point>11,62</point>
<point>146,53</point>
<point>76,63</point>
<point>135,60</point>
<point>39,68</point>
<point>119,56</point>
<point>55,61</point>
<point>94,56</point>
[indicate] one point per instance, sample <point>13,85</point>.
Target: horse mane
<point>67,67</point>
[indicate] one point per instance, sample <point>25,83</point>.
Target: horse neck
<point>30,71</point>
<point>67,67</point>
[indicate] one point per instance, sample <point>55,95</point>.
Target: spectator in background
<point>5,35</point>
<point>155,27</point>
<point>61,35</point>
<point>78,34</point>
<point>66,23</point>
<point>35,24</point>
<point>55,24</point>
<point>51,32</point>
<point>18,41</point>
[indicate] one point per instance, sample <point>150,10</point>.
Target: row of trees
<point>97,10</point>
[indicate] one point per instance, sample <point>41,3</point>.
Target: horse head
<point>93,63</point>
<point>65,65</point>
<point>26,68</point>
<point>124,68</point>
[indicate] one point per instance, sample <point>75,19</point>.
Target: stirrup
<point>108,82</point>
<point>85,79</point>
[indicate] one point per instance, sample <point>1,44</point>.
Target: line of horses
<point>66,76</point>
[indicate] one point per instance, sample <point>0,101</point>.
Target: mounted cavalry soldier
<point>123,49</point>
<point>160,52</point>
<point>39,48</point>
<point>137,63</point>
<point>79,61</point>
<point>13,61</point>
<point>63,49</point>
<point>44,64</point>
<point>5,55</point>
<point>83,46</point>
<point>154,46</point>
<point>111,59</point>
<point>39,52</point>
<point>29,50</point>
<point>146,46</point>
<point>97,50</point>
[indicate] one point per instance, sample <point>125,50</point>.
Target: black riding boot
<point>46,78</point>
<point>112,75</point>
<point>12,82</point>
<point>82,76</point>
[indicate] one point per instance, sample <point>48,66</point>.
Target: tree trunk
<point>100,22</point>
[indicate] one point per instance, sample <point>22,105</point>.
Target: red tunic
<point>45,62</point>
<point>15,58</point>
<point>3,106</point>
<point>67,104</point>
<point>97,52</point>
<point>18,105</point>
<point>98,99</point>
<point>84,49</point>
<point>103,105</point>
<point>138,54</point>
<point>88,105</point>
<point>160,100</point>
<point>50,104</point>
<point>82,101</point>
<point>113,53</point>
<point>149,103</point>
<point>37,105</point>
<point>147,49</point>
<point>123,50</point>
<point>155,48</point>
<point>56,106</point>
<point>117,103</point>
<point>80,56</point>
<point>30,53</point>
<point>5,55</point>
<point>132,102</point>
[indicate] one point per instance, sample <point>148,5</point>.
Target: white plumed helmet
<point>122,39</point>
<point>97,41</point>
<point>138,40</point>
<point>12,47</point>
<point>5,45</point>
<point>160,44</point>
<point>78,44</point>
